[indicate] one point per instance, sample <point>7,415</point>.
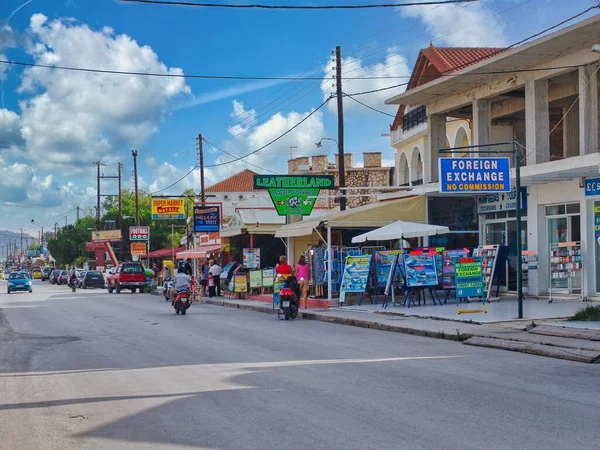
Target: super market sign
<point>474,175</point>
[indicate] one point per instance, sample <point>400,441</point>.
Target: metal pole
<point>201,156</point>
<point>173,241</point>
<point>340,112</point>
<point>519,248</point>
<point>329,262</point>
<point>134,153</point>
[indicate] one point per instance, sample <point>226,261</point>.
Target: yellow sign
<point>138,248</point>
<point>167,208</point>
<point>106,236</point>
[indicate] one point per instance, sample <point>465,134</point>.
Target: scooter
<point>167,289</point>
<point>288,298</point>
<point>182,302</point>
<point>73,283</point>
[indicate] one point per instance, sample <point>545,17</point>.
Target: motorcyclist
<point>73,276</point>
<point>181,282</point>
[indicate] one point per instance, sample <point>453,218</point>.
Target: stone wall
<point>294,164</point>
<point>372,159</point>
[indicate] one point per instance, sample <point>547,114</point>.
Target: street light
<point>320,145</point>
<point>596,48</point>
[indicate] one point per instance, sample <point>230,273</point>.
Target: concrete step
<point>567,332</point>
<point>571,354</point>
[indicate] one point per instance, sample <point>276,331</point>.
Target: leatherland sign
<point>474,175</point>
<point>167,208</point>
<point>293,195</point>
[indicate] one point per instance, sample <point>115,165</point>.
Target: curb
<point>344,321</point>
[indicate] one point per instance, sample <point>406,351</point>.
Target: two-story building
<point>544,95</point>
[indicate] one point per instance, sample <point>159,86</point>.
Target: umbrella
<point>400,230</point>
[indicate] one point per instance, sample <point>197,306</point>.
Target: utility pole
<point>134,153</point>
<point>201,155</point>
<point>340,112</point>
<point>98,163</point>
<point>55,229</point>
<point>66,221</point>
<point>21,240</point>
<point>120,211</point>
<point>77,213</point>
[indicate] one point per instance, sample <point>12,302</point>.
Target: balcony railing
<point>414,118</point>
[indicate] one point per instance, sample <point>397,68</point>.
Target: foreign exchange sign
<point>207,219</point>
<point>167,208</point>
<point>139,233</point>
<point>293,194</point>
<point>592,187</point>
<point>468,277</point>
<point>474,175</point>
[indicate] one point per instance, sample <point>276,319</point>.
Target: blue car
<point>19,281</point>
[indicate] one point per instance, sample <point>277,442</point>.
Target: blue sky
<point>54,124</point>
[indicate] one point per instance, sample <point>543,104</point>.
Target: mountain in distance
<point>6,237</point>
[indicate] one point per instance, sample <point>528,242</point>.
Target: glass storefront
<point>563,225</point>
<point>460,215</point>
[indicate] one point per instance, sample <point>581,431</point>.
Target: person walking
<point>203,277</point>
<point>302,274</point>
<point>215,270</point>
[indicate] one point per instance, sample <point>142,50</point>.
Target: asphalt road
<point>89,370</point>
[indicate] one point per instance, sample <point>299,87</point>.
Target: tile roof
<point>440,60</point>
<point>240,182</point>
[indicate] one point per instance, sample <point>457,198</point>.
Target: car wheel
<point>30,291</point>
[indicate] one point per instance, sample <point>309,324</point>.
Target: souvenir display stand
<point>566,269</point>
<point>489,255</point>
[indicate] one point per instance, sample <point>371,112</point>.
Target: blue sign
<point>592,187</point>
<point>468,277</point>
<point>597,223</point>
<point>474,175</point>
<point>207,219</point>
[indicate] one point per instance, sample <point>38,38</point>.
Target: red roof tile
<point>433,62</point>
<point>240,182</point>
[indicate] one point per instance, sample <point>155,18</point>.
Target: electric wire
<point>370,107</point>
<point>215,147</point>
<point>176,182</point>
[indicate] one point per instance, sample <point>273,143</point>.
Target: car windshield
<point>132,268</point>
<point>93,274</point>
<point>17,276</point>
<point>64,272</point>
<point>55,272</point>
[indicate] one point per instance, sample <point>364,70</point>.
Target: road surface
<point>89,370</point>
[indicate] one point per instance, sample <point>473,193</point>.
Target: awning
<point>199,252</point>
<point>400,230</point>
<point>165,252</point>
<point>374,215</point>
<point>567,169</point>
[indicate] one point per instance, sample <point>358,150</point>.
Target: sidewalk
<point>507,336</point>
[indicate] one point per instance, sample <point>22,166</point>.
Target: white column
<point>588,110</point>
<point>435,140</point>
<point>537,122</point>
<point>482,122</point>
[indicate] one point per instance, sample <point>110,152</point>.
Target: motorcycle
<point>167,289</point>
<point>73,283</point>
<point>182,302</point>
<point>289,298</point>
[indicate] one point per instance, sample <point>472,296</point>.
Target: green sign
<point>293,195</point>
<point>255,279</point>
<point>468,277</point>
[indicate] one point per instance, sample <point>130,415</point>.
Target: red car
<point>129,275</point>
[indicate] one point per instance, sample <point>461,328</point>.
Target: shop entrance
<point>563,225</point>
<point>501,228</point>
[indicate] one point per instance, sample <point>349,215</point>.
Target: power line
<point>290,7</point>
<point>178,181</point>
<point>370,107</point>
<point>276,139</point>
<point>231,154</point>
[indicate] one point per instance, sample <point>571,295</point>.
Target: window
<point>414,118</point>
<point>458,214</point>
<point>132,268</point>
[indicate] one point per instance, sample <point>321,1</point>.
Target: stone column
<point>571,129</point>
<point>537,122</point>
<point>435,140</point>
<point>482,122</point>
<point>588,110</point>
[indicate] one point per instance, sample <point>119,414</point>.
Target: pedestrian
<point>188,267</point>
<point>302,275</point>
<point>215,270</point>
<point>166,273</point>
<point>211,286</point>
<point>155,272</point>
<point>283,268</point>
<point>203,277</point>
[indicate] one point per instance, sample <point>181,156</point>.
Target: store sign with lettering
<point>207,219</point>
<point>468,277</point>
<point>502,201</point>
<point>293,194</point>
<point>141,233</point>
<point>597,223</point>
<point>592,187</point>
<point>167,208</point>
<point>474,175</point>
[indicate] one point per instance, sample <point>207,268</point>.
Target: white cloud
<point>166,174</point>
<point>10,129</point>
<point>73,117</point>
<point>394,67</point>
<point>456,25</point>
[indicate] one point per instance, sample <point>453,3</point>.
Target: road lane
<point>90,370</point>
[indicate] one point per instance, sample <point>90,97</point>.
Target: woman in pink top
<point>302,276</point>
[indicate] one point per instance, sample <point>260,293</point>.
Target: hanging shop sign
<point>293,195</point>
<point>106,236</point>
<point>474,175</point>
<point>167,209</point>
<point>207,219</point>
<point>139,233</point>
<point>420,269</point>
<point>489,203</point>
<point>592,187</point>
<point>469,277</point>
<point>252,258</point>
<point>138,248</point>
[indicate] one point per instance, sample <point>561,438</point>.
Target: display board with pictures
<point>489,256</point>
<point>356,274</point>
<point>240,283</point>
<point>383,263</point>
<point>267,276</point>
<point>448,268</point>
<point>255,279</point>
<point>566,268</point>
<point>251,258</point>
<point>420,269</point>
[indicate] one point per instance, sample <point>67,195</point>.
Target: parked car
<point>54,276</point>
<point>91,279</point>
<point>19,281</point>
<point>63,277</point>
<point>46,273</point>
<point>36,273</point>
<point>129,275</point>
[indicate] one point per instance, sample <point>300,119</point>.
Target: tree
<point>69,242</point>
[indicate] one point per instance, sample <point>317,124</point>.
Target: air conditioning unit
<point>241,197</point>
<point>226,197</point>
